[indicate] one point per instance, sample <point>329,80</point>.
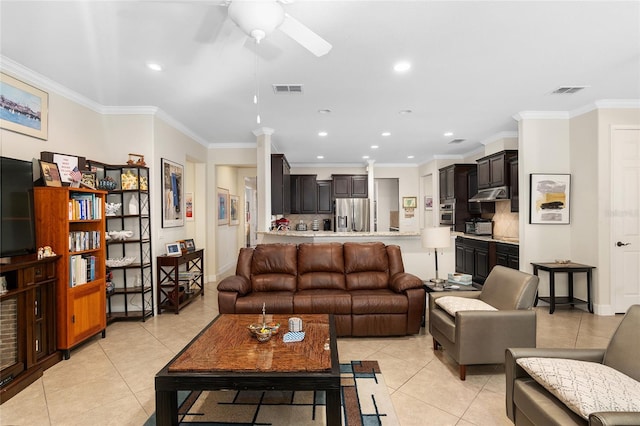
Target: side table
<point>570,268</point>
<point>180,280</point>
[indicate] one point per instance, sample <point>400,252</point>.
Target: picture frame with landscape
<point>23,108</point>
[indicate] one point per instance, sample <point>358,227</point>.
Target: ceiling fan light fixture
<point>256,18</point>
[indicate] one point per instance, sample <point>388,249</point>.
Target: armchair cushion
<point>453,304</point>
<point>585,387</point>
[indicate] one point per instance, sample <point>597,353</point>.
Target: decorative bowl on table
<point>119,261</point>
<point>262,334</point>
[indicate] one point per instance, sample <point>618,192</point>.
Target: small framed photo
<point>409,202</point>
<point>88,180</point>
<point>183,246</point>
<point>173,249</point>
<point>191,245</point>
<point>50,174</point>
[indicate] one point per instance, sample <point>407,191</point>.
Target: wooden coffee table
<point>225,356</point>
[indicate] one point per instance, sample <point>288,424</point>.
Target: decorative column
<point>263,159</point>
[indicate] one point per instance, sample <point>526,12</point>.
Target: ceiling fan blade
<point>303,35</point>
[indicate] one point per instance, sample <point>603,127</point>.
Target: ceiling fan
<point>259,18</point>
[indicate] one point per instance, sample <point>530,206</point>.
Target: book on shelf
<point>84,240</point>
<point>82,269</point>
<point>85,207</point>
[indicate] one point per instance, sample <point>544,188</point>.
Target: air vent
<point>287,88</point>
<point>568,90</point>
<point>456,141</point>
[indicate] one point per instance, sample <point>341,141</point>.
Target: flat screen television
<point>17,230</point>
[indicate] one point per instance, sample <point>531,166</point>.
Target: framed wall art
<point>550,201</point>
<point>409,202</point>
<point>223,206</point>
<point>23,108</point>
<point>50,174</point>
<point>234,213</point>
<point>188,206</point>
<point>172,194</point>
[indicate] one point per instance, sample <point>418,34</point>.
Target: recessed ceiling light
<point>374,146</point>
<point>322,134</point>
<point>410,156</point>
<point>402,66</point>
<point>365,156</point>
<point>320,157</point>
<point>448,134</point>
<point>405,111</point>
<point>154,66</point>
<point>386,133</point>
<point>324,111</point>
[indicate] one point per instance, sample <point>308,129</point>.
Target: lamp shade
<point>436,237</point>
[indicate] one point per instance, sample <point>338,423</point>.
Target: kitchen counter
<point>495,239</point>
<point>329,234</point>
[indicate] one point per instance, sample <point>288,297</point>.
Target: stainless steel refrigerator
<point>352,215</point>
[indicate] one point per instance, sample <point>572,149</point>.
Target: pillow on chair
<point>453,304</point>
<point>584,387</point>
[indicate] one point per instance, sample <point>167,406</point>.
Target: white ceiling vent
<point>456,141</point>
<point>568,90</point>
<point>287,88</point>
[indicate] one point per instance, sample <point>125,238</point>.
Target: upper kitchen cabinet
<point>477,208</point>
<point>513,188</point>
<point>350,186</point>
<point>493,170</point>
<point>280,185</point>
<point>454,187</point>
<point>303,194</point>
<point>324,204</point>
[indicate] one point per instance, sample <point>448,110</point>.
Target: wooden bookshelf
<point>80,307</point>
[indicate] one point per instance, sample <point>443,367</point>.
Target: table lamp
<point>435,238</point>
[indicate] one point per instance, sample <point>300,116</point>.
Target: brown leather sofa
<point>363,284</point>
<point>529,403</point>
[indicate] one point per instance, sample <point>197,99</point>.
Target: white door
<point>625,217</point>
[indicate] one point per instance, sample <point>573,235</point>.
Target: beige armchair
<point>471,336</point>
<point>530,403</point>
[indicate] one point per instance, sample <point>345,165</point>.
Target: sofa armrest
<point>235,283</point>
<point>403,281</point>
<point>618,418</point>
<point>513,371</point>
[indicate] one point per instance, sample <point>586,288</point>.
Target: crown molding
<point>328,165</point>
<point>500,135</point>
<point>232,145</point>
<point>541,115</point>
<point>263,131</point>
<point>180,127</point>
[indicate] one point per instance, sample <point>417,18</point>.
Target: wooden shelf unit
<point>81,310</point>
<point>28,323</point>
<point>174,290</point>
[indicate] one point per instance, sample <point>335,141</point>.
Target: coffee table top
<point>225,345</point>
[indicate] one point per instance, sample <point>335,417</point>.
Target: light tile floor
<point>110,381</point>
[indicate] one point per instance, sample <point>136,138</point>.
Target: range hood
<point>491,194</point>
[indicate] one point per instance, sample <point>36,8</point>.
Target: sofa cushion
<point>585,387</point>
<point>382,301</point>
<point>453,304</point>
<point>320,266</point>
<point>276,302</point>
<point>274,267</point>
<point>366,265</point>
<point>322,302</point>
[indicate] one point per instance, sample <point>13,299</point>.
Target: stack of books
<point>460,279</point>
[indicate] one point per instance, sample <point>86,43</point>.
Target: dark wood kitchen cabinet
<point>477,208</point>
<point>514,192</point>
<point>303,194</point>
<point>508,255</point>
<point>493,170</point>
<point>454,185</point>
<point>280,185</point>
<point>325,202</point>
<point>475,257</point>
<point>350,186</point>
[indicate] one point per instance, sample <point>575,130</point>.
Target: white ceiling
<point>474,65</point>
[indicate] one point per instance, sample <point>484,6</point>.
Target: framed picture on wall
<point>234,212</point>
<point>172,194</point>
<point>25,108</point>
<point>223,206</point>
<point>550,198</point>
<point>188,206</point>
